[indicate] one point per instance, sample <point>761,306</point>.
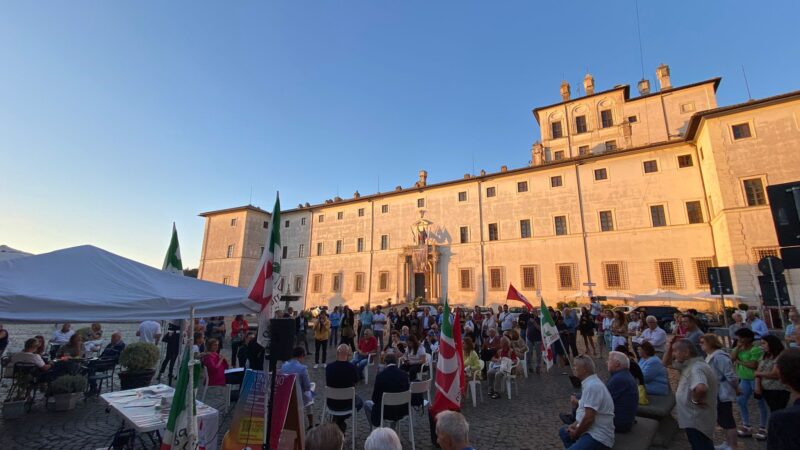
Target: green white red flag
<point>265,289</point>
<point>449,383</point>
<point>172,262</point>
<point>549,335</point>
<point>181,430</point>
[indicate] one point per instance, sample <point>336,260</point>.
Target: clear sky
<point>118,118</point>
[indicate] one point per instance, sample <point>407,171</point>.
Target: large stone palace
<point>624,194</point>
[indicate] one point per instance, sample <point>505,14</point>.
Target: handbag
<point>643,400</point>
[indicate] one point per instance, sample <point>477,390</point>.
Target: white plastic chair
<point>524,362</point>
<point>422,387</point>
<point>475,385</point>
<point>341,394</point>
<point>429,365</point>
<point>226,389</point>
<point>398,399</point>
<point>370,362</point>
<point>512,377</point>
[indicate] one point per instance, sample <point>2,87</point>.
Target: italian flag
<point>181,430</point>
<point>549,335</point>
<point>264,290</point>
<point>450,367</point>
<point>172,262</point>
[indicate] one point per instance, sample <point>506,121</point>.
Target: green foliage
<point>573,304</point>
<point>743,306</point>
<point>139,357</point>
<point>561,305</point>
<point>67,384</point>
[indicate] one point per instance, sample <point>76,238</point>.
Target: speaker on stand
<point>281,344</point>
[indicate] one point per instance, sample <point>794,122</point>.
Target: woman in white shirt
<point>414,357</point>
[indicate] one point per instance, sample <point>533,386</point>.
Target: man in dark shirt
<point>784,434</point>
<point>624,390</point>
<point>390,379</point>
<point>342,374</point>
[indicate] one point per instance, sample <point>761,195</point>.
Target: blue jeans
<point>360,362</point>
<point>584,441</point>
<point>334,337</point>
<point>747,387</point>
<point>535,349</point>
<point>379,336</point>
<point>698,440</point>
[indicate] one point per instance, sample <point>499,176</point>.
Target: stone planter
<point>133,380</point>
<point>14,410</point>
<point>66,402</point>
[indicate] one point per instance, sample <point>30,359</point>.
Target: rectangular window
<point>265,224</point>
<point>462,196</point>
<point>741,131</point>
<point>302,221</point>
<point>530,277</point>
<point>233,222</point>
<point>687,107</point>
<point>496,281</point>
<point>606,221</point>
<point>633,119</point>
<point>285,252</point>
<point>669,274</point>
<point>336,282</point>
<point>384,209</point>
<point>611,145</point>
<point>754,192</point>
<point>359,281</point>
<point>338,247</point>
<point>340,215</point>
<point>701,266</point>
<point>316,283</point>
<point>685,161</point>
<point>763,252</point>
<point>321,218</point>
<point>559,155</point>
<point>566,276</point>
<point>319,248</point>
<point>420,203</point>
<point>384,242</point>
<point>561,225</point>
<point>658,216</point>
<point>583,150</point>
<point>522,186</point>
<point>580,124</point>
<point>465,279</point>
<point>650,166</point>
<point>556,181</point>
<point>301,251</point>
<point>525,228</point>
<point>491,191</point>
<point>360,245</point>
<point>555,129</point>
<point>600,174</point>
<point>464,234</point>
<point>613,275</point>
<point>298,283</point>
<point>383,281</point>
<point>226,281</point>
<point>606,119</point>
<point>286,224</point>
<point>360,212</point>
<point>493,233</point>
<point>230,251</point>
<point>694,211</point>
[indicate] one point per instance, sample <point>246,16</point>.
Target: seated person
<point>73,349</point>
<point>594,417</point>
<point>94,345</point>
<point>215,363</point>
<point>414,358</point>
<point>431,342</point>
<point>28,356</point>
<point>636,371</point>
<point>366,345</point>
<point>653,370</point>
<point>491,344</point>
<point>497,372</point>
<point>42,346</point>
<point>297,366</point>
<point>472,362</point>
<point>624,391</point>
<point>342,374</point>
<point>404,333</point>
<point>114,348</point>
<point>519,346</point>
<point>390,379</point>
<point>394,339</point>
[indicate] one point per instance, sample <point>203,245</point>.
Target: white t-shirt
<point>416,358</point>
<point>24,357</point>
<point>595,395</point>
<point>376,318</point>
<point>61,338</point>
<point>506,321</point>
<point>148,331</point>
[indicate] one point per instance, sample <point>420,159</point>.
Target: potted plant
<point>139,361</point>
<point>66,390</point>
<point>19,396</point>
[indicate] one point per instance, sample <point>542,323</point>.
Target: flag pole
<point>191,400</point>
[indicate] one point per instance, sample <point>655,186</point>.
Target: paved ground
<point>528,421</point>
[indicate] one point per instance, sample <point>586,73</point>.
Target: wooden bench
<point>660,410</point>
<point>640,436</point>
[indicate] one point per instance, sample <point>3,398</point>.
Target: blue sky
<point>118,118</point>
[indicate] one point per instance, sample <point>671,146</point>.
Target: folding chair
<point>475,385</point>
<point>428,364</point>
<point>226,389</point>
<point>370,358</point>
<point>399,399</point>
<point>422,387</point>
<point>524,362</point>
<point>341,394</point>
<point>512,377</point>
<point>102,368</point>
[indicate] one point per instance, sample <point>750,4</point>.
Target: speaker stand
<point>273,365</point>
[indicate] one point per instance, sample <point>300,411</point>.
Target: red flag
<point>514,294</point>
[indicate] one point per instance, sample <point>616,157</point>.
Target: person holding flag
<point>450,383</point>
<point>172,264</point>
<point>181,432</point>
<point>549,335</point>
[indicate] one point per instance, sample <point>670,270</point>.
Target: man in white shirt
<point>61,337</point>
<point>594,418</point>
<point>654,335</point>
<point>149,331</point>
<point>28,356</point>
<point>506,320</point>
<point>378,324</point>
<point>758,326</point>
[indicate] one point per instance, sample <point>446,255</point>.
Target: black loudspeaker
<point>281,343</point>
<point>768,290</point>
<point>784,201</point>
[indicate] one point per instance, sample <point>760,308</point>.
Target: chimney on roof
<point>503,168</point>
<point>588,84</point>
<point>644,86</point>
<point>483,172</point>
<point>356,194</point>
<point>423,178</point>
<point>537,154</point>
<point>662,73</point>
<point>307,205</point>
<point>564,90</point>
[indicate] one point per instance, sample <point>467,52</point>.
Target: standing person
<point>619,330</point>
<point>3,339</point>
<point>173,341</point>
<point>426,321</point>
<point>768,383</point>
<point>522,321</point>
<point>738,323</point>
<point>593,428</point>
<point>784,432</point>
<point>693,332</point>
<point>477,317</point>
<point>379,324</point>
<point>243,355</point>
<point>215,329</point>
<point>62,335</point>
<point>586,326</point>
<point>239,328</point>
<point>534,338</point>
<point>336,322</point>
<point>364,320</point>
<point>506,320</point>
<point>595,309</point>
<point>301,325</point>
<point>149,331</point>
<point>322,332</point>
<point>794,324</point>
<point>745,359</point>
<point>605,326</point>
<point>758,326</point>
<point>348,328</point>
<point>571,322</point>
<point>721,363</point>
<point>696,394</point>
<point>654,335</point>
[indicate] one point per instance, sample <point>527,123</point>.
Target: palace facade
<point>623,195</point>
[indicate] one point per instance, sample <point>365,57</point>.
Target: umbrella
<point>578,294</point>
<point>663,294</point>
<point>619,295</point>
<point>708,296</point>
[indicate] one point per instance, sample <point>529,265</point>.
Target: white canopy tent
<point>83,284</point>
<point>7,252</point>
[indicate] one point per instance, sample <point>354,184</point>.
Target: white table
<point>140,410</point>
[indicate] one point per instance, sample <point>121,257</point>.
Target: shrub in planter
<point>66,390</point>
<point>139,361</point>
